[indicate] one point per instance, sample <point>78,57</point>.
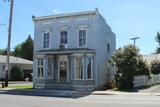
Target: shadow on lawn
<point>46,93</point>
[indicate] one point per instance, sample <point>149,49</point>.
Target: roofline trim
<point>65,15</point>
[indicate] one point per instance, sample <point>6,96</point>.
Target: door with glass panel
<point>63,67</point>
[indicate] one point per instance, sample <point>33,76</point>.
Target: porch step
<point>55,86</point>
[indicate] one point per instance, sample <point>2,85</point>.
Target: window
<point>3,67</point>
<point>50,68</point>
<point>46,40</point>
<point>63,37</point>
<point>89,68</point>
<point>79,68</point>
<point>82,38</point>
<point>40,68</point>
<point>83,68</point>
<point>108,47</point>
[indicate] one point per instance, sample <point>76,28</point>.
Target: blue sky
<point>127,18</point>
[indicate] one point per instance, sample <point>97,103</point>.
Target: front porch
<point>65,70</point>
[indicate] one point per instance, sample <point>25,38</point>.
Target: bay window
<point>40,68</point>
<point>83,68</point>
<point>50,68</point>
<point>89,68</point>
<point>79,68</point>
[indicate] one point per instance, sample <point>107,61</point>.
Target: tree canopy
<point>23,50</point>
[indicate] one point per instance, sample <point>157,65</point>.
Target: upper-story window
<point>82,37</point>
<point>46,40</point>
<point>63,37</point>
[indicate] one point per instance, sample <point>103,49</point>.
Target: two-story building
<point>71,51</point>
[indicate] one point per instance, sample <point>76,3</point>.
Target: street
<point>7,100</point>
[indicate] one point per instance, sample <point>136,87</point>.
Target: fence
<point>145,81</point>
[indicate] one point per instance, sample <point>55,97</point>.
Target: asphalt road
<point>7,100</point>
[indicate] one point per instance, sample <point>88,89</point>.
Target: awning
<point>66,51</point>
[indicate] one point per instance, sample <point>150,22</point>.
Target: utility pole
<point>134,39</point>
<point>9,41</point>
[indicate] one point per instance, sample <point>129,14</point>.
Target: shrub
<point>142,68</point>
<point>129,64</point>
<point>16,74</point>
<point>155,67</point>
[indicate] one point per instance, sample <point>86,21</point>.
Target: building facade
<point>71,51</point>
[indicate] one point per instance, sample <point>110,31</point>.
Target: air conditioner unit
<point>62,46</point>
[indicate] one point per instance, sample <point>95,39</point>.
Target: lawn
<point>21,86</point>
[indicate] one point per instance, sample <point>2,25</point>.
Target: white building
<point>71,51</point>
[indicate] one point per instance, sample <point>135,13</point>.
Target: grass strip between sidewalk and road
<point>21,86</point>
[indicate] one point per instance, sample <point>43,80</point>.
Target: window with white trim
<point>89,67</point>
<point>63,37</point>
<point>82,33</point>
<point>79,68</point>
<point>46,40</point>
<point>50,68</point>
<point>40,68</point>
<point>83,68</point>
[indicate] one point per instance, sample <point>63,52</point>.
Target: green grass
<point>21,87</point>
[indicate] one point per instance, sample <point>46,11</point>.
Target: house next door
<point>63,69</point>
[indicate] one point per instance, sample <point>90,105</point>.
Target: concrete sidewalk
<point>69,93</point>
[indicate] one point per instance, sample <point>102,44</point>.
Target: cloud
<point>56,11</point>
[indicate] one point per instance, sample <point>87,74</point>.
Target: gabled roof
<point>14,60</point>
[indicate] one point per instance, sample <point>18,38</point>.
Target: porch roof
<point>67,51</point>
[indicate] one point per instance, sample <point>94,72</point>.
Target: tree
<point>129,65</point>
<point>3,51</point>
<point>155,67</point>
<point>25,49</point>
<point>17,51</point>
<point>158,40</point>
<point>142,68</point>
<point>16,74</point>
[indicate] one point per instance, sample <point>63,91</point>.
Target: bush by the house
<point>129,64</point>
<point>16,74</point>
<point>155,67</point>
<point>142,68</point>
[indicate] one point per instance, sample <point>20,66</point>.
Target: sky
<point>127,18</point>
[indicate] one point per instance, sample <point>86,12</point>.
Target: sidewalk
<point>69,93</point>
<point>110,92</point>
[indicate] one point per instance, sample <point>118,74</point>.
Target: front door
<point>63,68</point>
